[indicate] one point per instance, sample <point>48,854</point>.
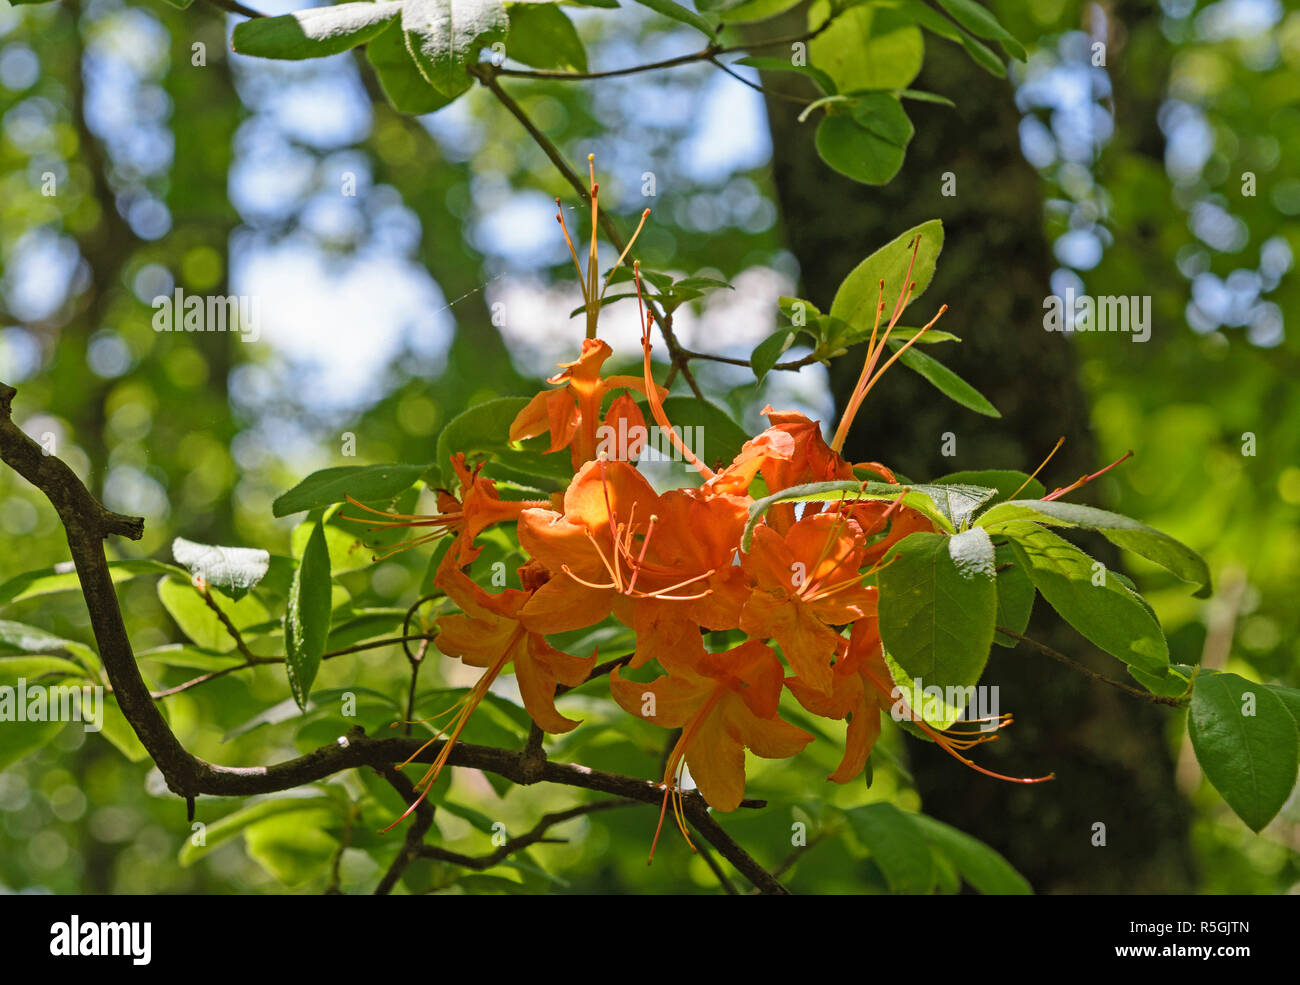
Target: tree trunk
<point>1108,750</point>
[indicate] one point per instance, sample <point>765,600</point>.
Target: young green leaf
<point>896,844</point>
<point>197,620</point>
<point>1007,482</point>
<point>869,143</point>
<point>307,619</point>
<point>543,37</point>
<point>770,350</point>
<point>770,63</point>
<point>1015,596</point>
<point>445,36</point>
<point>315,32</point>
<point>981,23</point>
<point>855,301</point>
<point>368,483</point>
<point>400,78</point>
<point>982,867</point>
<point>936,23</point>
<point>1086,596</point>
<point>938,602</point>
<point>1246,742</point>
<point>683,15</point>
<point>943,379</point>
<point>233,570</point>
<point>869,46</point>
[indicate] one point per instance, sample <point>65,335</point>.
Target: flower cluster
<point>670,566</point>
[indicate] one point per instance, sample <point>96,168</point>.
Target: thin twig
<point>1155,699</point>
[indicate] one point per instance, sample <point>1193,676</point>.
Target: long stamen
<point>559,215</point>
<point>1055,448</point>
<point>1084,480</point>
<point>943,741</point>
<point>473,699</point>
<point>652,391</point>
<point>622,256</point>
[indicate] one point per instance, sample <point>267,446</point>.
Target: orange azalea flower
<point>488,633</point>
<point>619,547</point>
<point>806,583</point>
<point>572,413</point>
<point>727,704</point>
<point>890,521</point>
<point>851,696</point>
<point>478,508</point>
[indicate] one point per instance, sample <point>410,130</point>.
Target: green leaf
<point>20,739</point>
<point>752,11</point>
<point>444,36</point>
<point>896,844</point>
<point>837,491</point>
<point>938,601</point>
<point>400,78</point>
<point>293,848</point>
<point>1007,482</point>
<point>944,380</point>
<point>315,32</point>
<point>30,639</point>
<point>859,293</point>
<point>233,570</point>
<point>869,143</point>
<point>981,23</point>
<point>368,483</point>
<point>1290,697</point>
<point>1174,684</point>
<point>957,502</point>
<point>982,867</point>
<point>936,23</point>
<point>1122,531</point>
<point>221,831</point>
<point>1108,614</point>
<point>770,350</point>
<point>866,47</point>
<point>1016,595</point>
<point>197,620</point>
<point>679,13</point>
<point>485,429</point>
<point>63,578</point>
<point>543,37</point>
<point>925,97</point>
<point>1250,759</point>
<point>768,63</point>
<point>34,668</point>
<point>118,731</point>
<point>307,619</point>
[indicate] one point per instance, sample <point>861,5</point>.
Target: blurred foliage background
<point>410,267</point>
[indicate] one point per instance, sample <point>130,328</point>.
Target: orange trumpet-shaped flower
<point>489,627</point>
<point>572,413</point>
<point>806,583</point>
<point>727,704</point>
<point>488,633</point>
<point>621,548</point>
<point>851,696</point>
<point>478,508</point>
